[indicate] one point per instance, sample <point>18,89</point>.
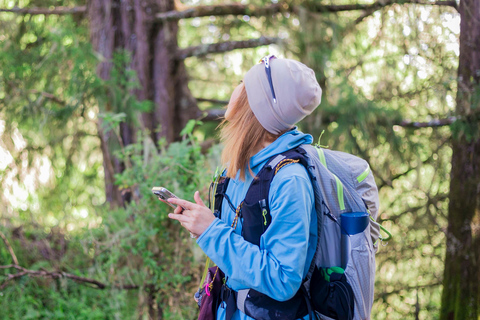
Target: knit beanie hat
<point>295,88</point>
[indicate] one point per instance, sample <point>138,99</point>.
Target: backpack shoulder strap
<point>256,210</point>
<point>220,187</point>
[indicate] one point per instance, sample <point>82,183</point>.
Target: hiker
<point>259,124</point>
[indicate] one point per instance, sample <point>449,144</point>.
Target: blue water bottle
<point>351,223</point>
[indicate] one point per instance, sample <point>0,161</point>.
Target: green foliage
<point>169,266</point>
<point>135,245</point>
<point>111,120</point>
<point>51,172</point>
<point>147,247</point>
<point>29,299</point>
<point>468,129</point>
<point>188,130</point>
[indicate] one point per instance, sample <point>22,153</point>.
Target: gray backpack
<point>340,281</point>
<point>344,184</point>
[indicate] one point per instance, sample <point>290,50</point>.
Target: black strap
<point>220,193</point>
<point>307,301</point>
<point>229,297</point>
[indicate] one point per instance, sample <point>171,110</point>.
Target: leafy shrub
<point>137,245</point>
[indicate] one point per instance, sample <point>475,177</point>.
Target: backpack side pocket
<point>331,294</point>
<point>360,272</point>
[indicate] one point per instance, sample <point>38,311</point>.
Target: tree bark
<point>128,25</point>
<point>174,102</point>
<point>461,283</point>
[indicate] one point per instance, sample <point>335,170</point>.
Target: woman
<point>259,124</point>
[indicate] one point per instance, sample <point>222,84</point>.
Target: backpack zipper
<point>263,206</point>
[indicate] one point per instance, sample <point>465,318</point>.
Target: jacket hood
<point>289,140</point>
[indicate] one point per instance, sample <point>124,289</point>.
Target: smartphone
<point>163,194</point>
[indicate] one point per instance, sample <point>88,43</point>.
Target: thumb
<point>197,198</point>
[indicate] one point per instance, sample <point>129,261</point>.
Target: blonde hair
<point>242,136</point>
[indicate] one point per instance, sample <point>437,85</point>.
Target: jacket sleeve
<point>276,267</point>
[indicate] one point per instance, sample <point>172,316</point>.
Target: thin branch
<point>56,275</point>
<point>404,173</point>
<point>384,295</point>
<point>225,10</point>
<point>204,49</point>
<point>9,247</point>
<point>237,9</point>
<point>431,216</point>
<point>56,10</point>
<point>364,155</point>
<point>376,5</point>
<point>49,96</point>
<point>213,101</point>
<point>434,200</point>
<point>426,161</point>
<point>257,11</point>
<point>214,114</point>
<point>429,124</point>
<point>363,16</point>
<point>211,115</point>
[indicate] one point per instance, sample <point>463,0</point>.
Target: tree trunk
<point>128,25</point>
<point>461,283</point>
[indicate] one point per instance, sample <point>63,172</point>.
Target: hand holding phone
<point>163,195</point>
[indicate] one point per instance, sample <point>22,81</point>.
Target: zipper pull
<point>263,206</point>
<point>328,214</point>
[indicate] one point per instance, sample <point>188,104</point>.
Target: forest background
<point>100,101</point>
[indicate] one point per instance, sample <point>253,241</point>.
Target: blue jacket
<point>278,266</point>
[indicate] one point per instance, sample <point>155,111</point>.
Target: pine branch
<point>202,50</point>
<point>56,275</point>
<point>56,10</point>
<point>257,11</point>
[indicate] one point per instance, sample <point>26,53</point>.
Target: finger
<point>178,217</point>
<point>198,200</point>
<point>178,210</point>
<point>183,203</point>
